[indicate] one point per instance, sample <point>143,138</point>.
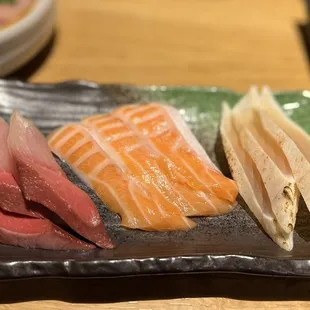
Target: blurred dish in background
<point>11,11</point>
<point>25,28</point>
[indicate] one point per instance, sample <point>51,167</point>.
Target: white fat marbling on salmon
<point>149,111</point>
<point>69,136</point>
<point>188,136</point>
<point>133,188</point>
<point>147,118</point>
<point>103,142</point>
<point>154,176</point>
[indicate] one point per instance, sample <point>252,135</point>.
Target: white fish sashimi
<point>281,189</point>
<point>249,182</point>
<point>270,161</point>
<point>271,107</point>
<point>298,162</point>
<point>292,139</point>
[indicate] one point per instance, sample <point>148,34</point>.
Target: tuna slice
<point>250,183</point>
<point>43,181</point>
<point>36,233</point>
<point>103,169</point>
<point>292,139</point>
<point>11,197</point>
<point>269,160</point>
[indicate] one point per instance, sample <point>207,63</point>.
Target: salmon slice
<point>270,162</point>
<point>292,139</point>
<point>181,157</point>
<point>44,182</point>
<point>250,183</point>
<point>11,197</point>
<point>36,233</point>
<point>138,159</point>
<point>103,170</point>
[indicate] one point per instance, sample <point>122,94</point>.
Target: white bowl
<point>24,39</point>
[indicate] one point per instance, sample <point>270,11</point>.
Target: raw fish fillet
<point>292,139</point>
<point>269,160</point>
<point>137,158</point>
<point>153,172</point>
<point>43,181</point>
<point>298,162</point>
<point>36,233</point>
<point>180,156</point>
<point>104,170</point>
<point>250,183</point>
<point>11,197</point>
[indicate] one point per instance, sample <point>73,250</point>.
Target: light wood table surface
<point>233,44</point>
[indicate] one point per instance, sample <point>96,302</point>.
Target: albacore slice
<point>269,160</point>
<point>292,139</point>
<point>298,162</point>
<point>250,184</point>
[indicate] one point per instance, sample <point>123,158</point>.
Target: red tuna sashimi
<point>43,181</point>
<point>36,233</point>
<point>11,197</point>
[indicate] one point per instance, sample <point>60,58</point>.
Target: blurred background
<point>229,43</point>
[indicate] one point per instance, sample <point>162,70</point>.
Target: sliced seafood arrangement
<point>31,184</point>
<point>267,155</point>
<point>146,165</point>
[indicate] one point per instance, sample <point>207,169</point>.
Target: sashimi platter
<point>153,180</point>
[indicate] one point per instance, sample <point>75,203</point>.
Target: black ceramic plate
<point>231,243</point>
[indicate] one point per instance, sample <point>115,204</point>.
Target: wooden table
<point>232,43</point>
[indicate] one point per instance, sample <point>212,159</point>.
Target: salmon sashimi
<point>140,162</point>
<point>36,233</point>
<point>116,179</point>
<point>269,160</point>
<point>43,181</point>
<point>153,172</point>
<point>250,183</point>
<point>181,157</point>
<point>11,197</point>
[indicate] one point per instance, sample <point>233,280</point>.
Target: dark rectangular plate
<point>232,243</point>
